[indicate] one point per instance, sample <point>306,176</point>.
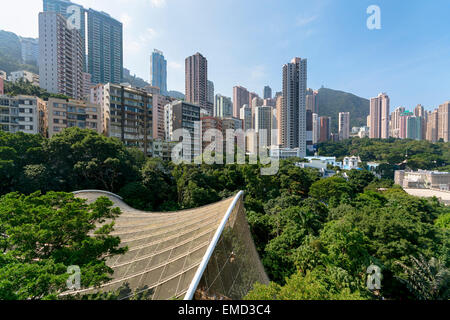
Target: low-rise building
<point>63,113</point>
<point>22,114</point>
<point>25,76</point>
<point>423,179</point>
<point>284,153</point>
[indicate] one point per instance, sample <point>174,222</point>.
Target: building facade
<point>294,105</point>
<point>22,114</point>
<point>62,114</point>
<point>223,107</point>
<point>240,98</point>
<point>444,122</point>
<point>158,71</point>
<point>423,179</point>
<point>344,125</point>
<point>267,92</point>
<point>60,56</point>
<point>379,116</point>
<point>325,129</point>
<point>128,115</point>
<point>196,78</point>
<point>30,50</point>
<point>105,48</point>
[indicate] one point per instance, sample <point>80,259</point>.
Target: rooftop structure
<point>203,253</point>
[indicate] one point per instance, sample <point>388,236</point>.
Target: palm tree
<point>427,280</point>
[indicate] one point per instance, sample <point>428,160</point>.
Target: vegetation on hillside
<point>26,88</point>
<point>392,153</point>
<point>11,54</point>
<point>331,102</point>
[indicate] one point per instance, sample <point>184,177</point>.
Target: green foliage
<point>331,102</point>
<point>26,88</point>
<point>319,284</point>
<point>74,159</point>
<point>392,153</point>
<point>331,191</point>
<point>427,280</point>
<point>41,235</point>
<point>11,54</point>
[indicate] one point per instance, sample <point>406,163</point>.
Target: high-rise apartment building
<point>30,50</point>
<point>22,114</point>
<point>267,92</point>
<point>210,91</point>
<point>103,36</point>
<point>432,126</point>
<point>344,125</point>
<point>158,71</point>
<point>60,56</point>
<point>183,115</point>
<point>379,117</point>
<point>240,98</point>
<point>444,122</point>
<point>196,77</point>
<point>246,117</point>
<point>263,125</point>
<point>325,129</point>
<point>223,107</point>
<point>159,102</point>
<point>294,104</point>
<point>105,48</point>
<point>404,118</point>
<point>312,101</point>
<point>64,113</point>
<point>395,122</point>
<point>316,128</point>
<point>281,120</point>
<point>128,116</point>
<point>414,128</point>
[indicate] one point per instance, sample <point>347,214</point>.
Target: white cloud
<point>149,34</point>
<point>158,3</point>
<point>175,65</point>
<point>305,20</point>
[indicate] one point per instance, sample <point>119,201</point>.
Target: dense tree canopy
<point>42,235</point>
<point>316,237</point>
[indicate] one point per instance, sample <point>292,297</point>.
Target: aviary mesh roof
<point>164,249</point>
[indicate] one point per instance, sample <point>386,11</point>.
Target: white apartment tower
<point>344,125</point>
<point>294,105</point>
<point>60,56</point>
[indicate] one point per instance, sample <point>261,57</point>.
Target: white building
<point>24,76</point>
<point>344,125</point>
<point>60,56</point>
<point>22,114</point>
<point>246,117</point>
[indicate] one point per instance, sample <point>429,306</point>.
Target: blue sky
<point>246,42</point>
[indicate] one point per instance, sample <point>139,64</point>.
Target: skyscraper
<point>240,98</point>
<point>103,36</point>
<point>404,118</point>
<point>312,102</point>
<point>379,116</point>
<point>223,107</point>
<point>263,124</point>
<point>444,122</point>
<point>246,117</point>
<point>325,129</point>
<point>196,80</point>
<point>60,56</point>
<point>432,126</point>
<point>158,71</point>
<point>316,128</point>
<point>395,122</point>
<point>344,125</point>
<point>77,15</point>
<point>210,92</point>
<point>294,104</point>
<point>105,48</point>
<point>267,92</point>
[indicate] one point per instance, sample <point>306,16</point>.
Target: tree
<point>331,190</point>
<point>427,279</point>
<point>41,235</point>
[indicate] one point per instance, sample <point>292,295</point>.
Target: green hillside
<point>331,102</point>
<point>11,54</point>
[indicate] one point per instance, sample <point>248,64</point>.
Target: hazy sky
<point>246,42</point>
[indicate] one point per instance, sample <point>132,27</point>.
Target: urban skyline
<point>414,86</point>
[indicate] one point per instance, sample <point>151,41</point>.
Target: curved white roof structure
<point>202,253</point>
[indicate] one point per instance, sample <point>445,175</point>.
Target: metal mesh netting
<point>166,249</point>
<point>234,266</point>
